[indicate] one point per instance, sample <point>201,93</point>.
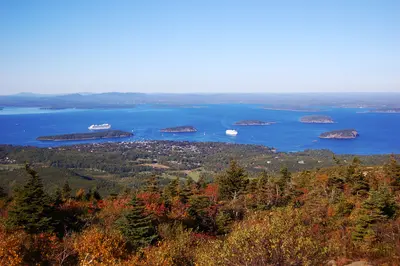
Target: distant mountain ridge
<point>271,101</point>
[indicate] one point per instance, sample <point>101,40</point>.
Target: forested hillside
<point>112,167</point>
<point>338,214</point>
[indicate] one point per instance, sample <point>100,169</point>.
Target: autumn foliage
<point>343,213</point>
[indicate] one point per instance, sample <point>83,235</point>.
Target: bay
<point>378,132</point>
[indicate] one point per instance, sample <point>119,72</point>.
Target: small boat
<point>231,132</point>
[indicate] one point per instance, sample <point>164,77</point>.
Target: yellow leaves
<point>11,247</point>
<point>281,239</point>
<point>97,247</point>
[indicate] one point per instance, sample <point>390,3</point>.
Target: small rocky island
<point>180,129</point>
<point>109,134</point>
<point>252,123</point>
<point>316,119</point>
<point>340,134</point>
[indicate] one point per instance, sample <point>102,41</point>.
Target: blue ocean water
<point>378,132</point>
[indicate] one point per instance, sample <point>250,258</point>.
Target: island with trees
<point>109,134</point>
<point>317,119</point>
<point>253,123</point>
<point>340,134</point>
<point>180,129</point>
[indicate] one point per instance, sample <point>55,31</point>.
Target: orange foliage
<point>322,178</point>
<point>211,191</point>
<point>153,203</point>
<point>11,245</point>
<point>97,247</point>
<point>178,209</point>
<point>331,211</point>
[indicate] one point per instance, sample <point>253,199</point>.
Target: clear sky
<point>204,46</point>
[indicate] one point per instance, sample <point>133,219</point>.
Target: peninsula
<point>253,123</point>
<point>109,134</point>
<point>180,129</point>
<point>386,110</point>
<point>316,119</point>
<point>340,134</point>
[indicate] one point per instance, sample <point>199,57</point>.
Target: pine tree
<point>186,191</point>
<point>285,174</point>
<point>152,185</point>
<point>379,207</point>
<point>137,227</point>
<point>392,171</point>
<point>284,179</point>
<point>201,183</point>
<point>264,192</point>
<point>3,193</point>
<point>66,191</point>
<point>31,209</point>
<point>171,190</point>
<point>233,182</point>
<point>57,197</point>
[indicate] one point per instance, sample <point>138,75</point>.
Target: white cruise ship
<point>231,132</point>
<point>99,127</point>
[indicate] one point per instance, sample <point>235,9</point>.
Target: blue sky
<point>199,46</point>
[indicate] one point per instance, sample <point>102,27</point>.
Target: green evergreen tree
<point>152,185</point>
<point>392,171</point>
<point>57,197</point>
<point>95,194</point>
<point>185,191</point>
<point>355,177</point>
<point>284,179</point>
<point>31,209</point>
<point>198,212</point>
<point>285,174</point>
<point>360,185</point>
<point>201,183</point>
<point>66,191</point>
<point>379,206</point>
<point>3,193</point>
<point>233,182</point>
<point>264,192</point>
<point>171,190</point>
<point>136,226</point>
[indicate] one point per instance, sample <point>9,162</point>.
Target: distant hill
<point>303,102</point>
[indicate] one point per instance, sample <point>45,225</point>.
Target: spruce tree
<point>171,190</point>
<point>379,206</point>
<point>136,226</point>
<point>201,183</point>
<point>264,193</point>
<point>185,191</point>
<point>3,193</point>
<point>31,209</point>
<point>66,191</point>
<point>57,197</point>
<point>152,185</point>
<point>233,182</point>
<point>392,171</point>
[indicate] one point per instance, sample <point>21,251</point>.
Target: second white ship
<point>99,127</point>
<point>231,132</point>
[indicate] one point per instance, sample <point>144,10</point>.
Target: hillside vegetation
<point>113,166</point>
<point>338,214</point>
